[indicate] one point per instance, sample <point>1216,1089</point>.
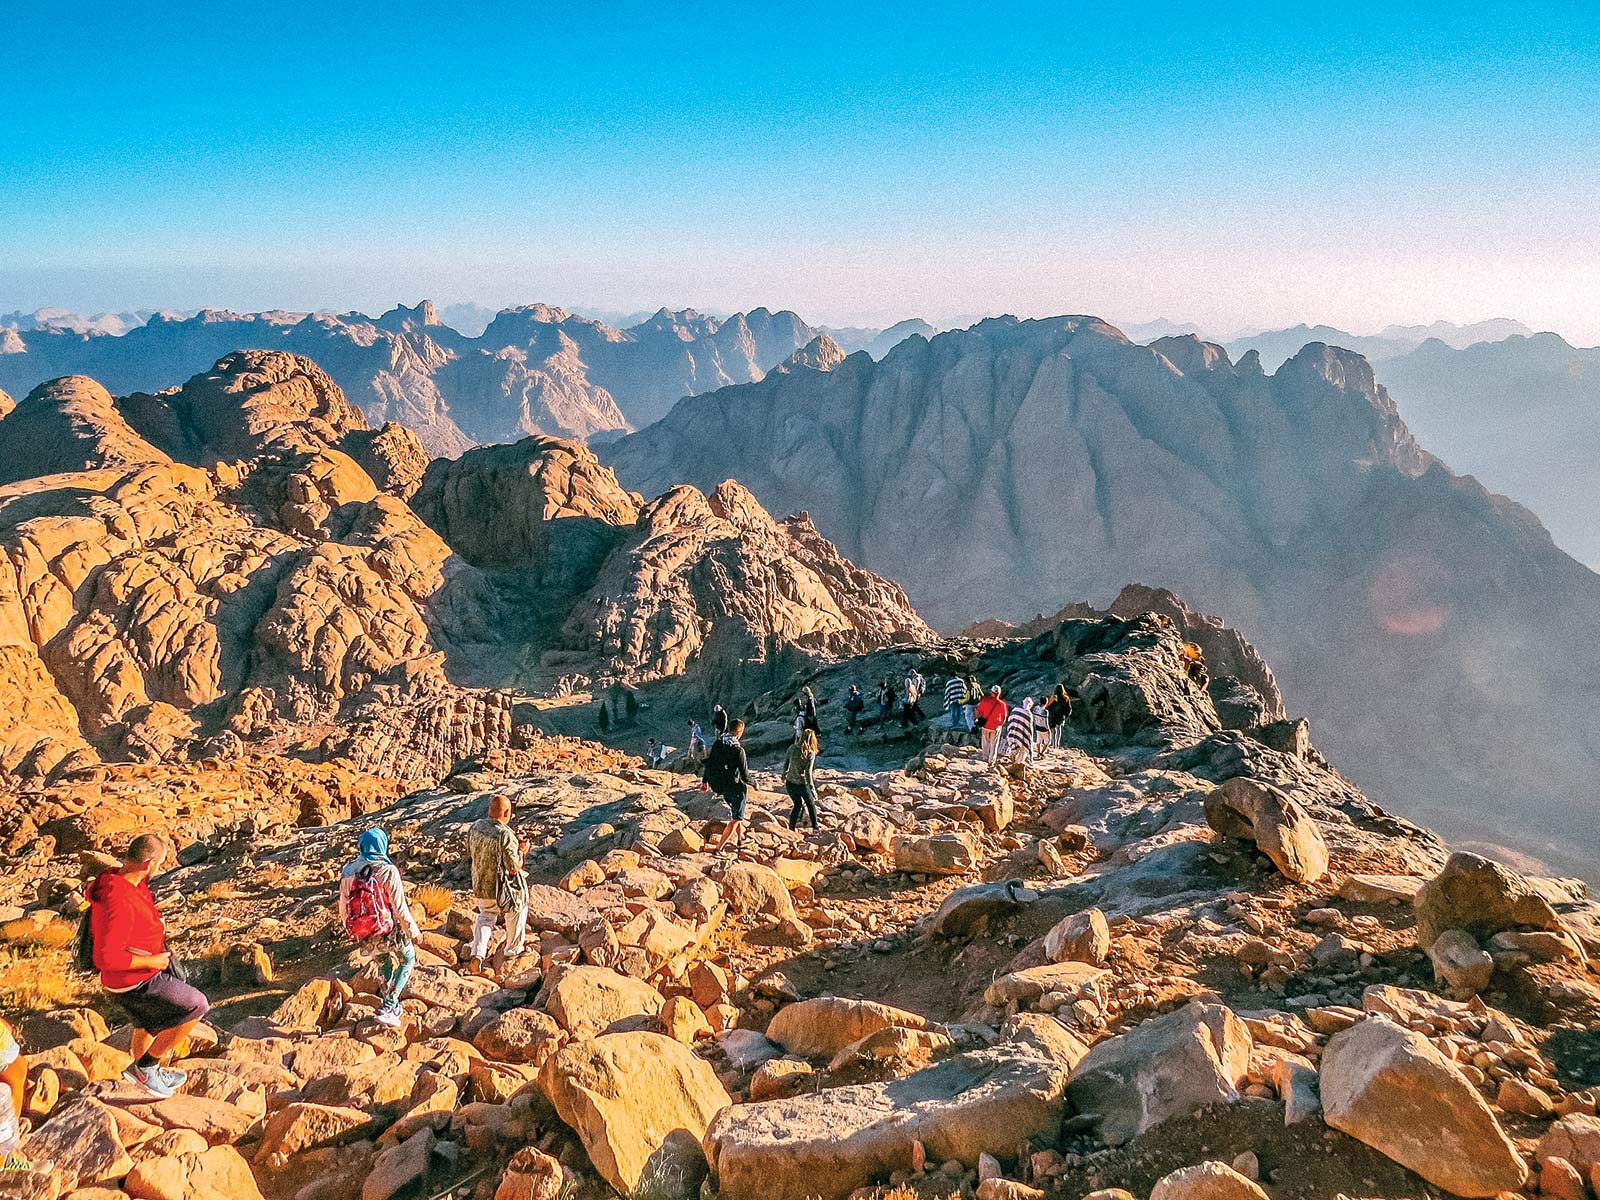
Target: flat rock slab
<point>551,910</point>
<point>1377,889</point>
<point>831,1142</point>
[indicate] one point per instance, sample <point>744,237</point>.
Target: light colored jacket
<point>496,861</point>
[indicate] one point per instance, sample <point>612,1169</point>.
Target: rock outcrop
<point>238,558</point>
<point>1020,464</point>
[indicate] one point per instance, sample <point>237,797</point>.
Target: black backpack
<point>83,944</point>
<point>719,766</point>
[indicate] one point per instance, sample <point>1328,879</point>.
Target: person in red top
<point>991,716</point>
<point>130,951</point>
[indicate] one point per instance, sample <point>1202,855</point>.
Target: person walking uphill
<point>955,694</point>
<point>728,774</point>
<point>130,951</point>
<point>1059,708</point>
<point>991,715</point>
<point>374,912</point>
<point>799,778</point>
<point>1019,733</point>
<point>499,885</point>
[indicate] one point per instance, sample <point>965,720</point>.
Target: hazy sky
<point>1229,165</point>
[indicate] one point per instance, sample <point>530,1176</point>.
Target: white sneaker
<point>154,1080</point>
<point>392,1017</point>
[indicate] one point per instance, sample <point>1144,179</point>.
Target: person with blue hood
<point>376,915</point>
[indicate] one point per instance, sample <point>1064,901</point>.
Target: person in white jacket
<point>371,896</point>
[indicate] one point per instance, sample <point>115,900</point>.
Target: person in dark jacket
<point>799,778</point>
<point>808,713</point>
<point>853,704</point>
<point>1058,708</point>
<point>728,774</point>
<point>130,952</point>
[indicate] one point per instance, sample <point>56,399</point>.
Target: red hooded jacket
<point>991,713</point>
<point>125,921</point>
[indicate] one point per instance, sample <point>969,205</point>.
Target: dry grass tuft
<point>222,889</point>
<point>38,982</point>
<point>434,899</point>
<point>26,934</point>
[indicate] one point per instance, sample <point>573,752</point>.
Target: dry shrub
<point>222,889</point>
<point>270,875</point>
<point>57,935</point>
<point>434,899</point>
<point>37,983</point>
<point>26,934</point>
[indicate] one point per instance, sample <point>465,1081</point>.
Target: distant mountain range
<point>1277,346</point>
<point>1420,621</point>
<point>530,370</point>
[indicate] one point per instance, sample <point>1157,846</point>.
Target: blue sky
<point>1231,165</point>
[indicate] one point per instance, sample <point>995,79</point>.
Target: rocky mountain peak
<point>70,424</point>
<point>821,353</point>
<point>254,401</point>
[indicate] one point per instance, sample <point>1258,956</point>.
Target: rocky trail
<point>1180,960</point>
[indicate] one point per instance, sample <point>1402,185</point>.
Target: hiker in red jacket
<point>130,952</point>
<point>991,716</point>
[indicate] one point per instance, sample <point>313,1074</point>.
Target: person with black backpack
<point>125,939</point>
<point>377,917</point>
<point>853,704</point>
<point>727,773</point>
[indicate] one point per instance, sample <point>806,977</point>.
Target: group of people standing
<point>1023,731</point>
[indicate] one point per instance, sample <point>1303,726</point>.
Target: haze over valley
<point>953,602</point>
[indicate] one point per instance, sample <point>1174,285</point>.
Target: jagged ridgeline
<point>535,369</point>
<point>1443,647</point>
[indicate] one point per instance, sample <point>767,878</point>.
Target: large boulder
<point>1166,1067</point>
<point>630,1097</point>
<point>84,1143</point>
<point>587,1000</point>
<point>520,1035</point>
<point>1206,1181</point>
<point>935,854</point>
<point>751,889</point>
<point>1277,823</point>
<point>826,1144</point>
<point>969,909</point>
<point>1482,898</point>
<point>1575,1138</point>
<point>1388,1087</point>
<point>824,1025</point>
<point>1082,937</point>
<point>1078,980</point>
<point>220,1173</point>
<point>303,1126</point>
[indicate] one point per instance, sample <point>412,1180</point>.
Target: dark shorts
<point>163,1002</point>
<point>736,801</point>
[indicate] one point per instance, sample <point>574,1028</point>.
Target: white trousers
<point>988,742</point>
<point>489,915</point>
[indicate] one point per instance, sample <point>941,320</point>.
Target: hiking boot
<point>157,1082</point>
